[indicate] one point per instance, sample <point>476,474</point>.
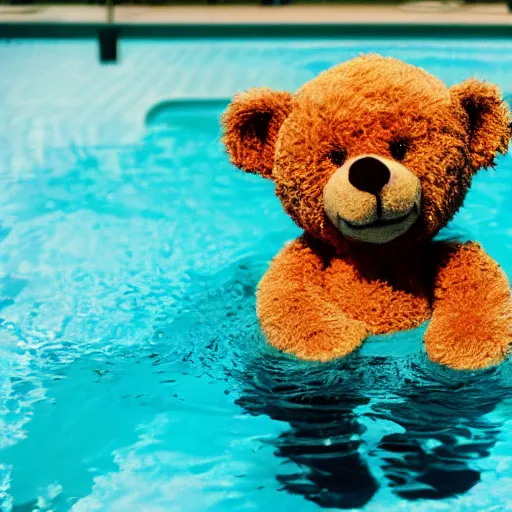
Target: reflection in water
<point>441,429</point>
<point>324,436</point>
<point>445,430</point>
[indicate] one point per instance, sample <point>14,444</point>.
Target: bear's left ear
<point>251,124</point>
<point>487,120</point>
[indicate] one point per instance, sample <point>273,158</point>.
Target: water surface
<point>133,375</point>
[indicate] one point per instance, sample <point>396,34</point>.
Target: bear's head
<point>371,151</point>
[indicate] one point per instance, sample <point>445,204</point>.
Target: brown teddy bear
<point>372,158</point>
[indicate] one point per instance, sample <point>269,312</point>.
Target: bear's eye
<point>398,149</point>
<point>337,157</point>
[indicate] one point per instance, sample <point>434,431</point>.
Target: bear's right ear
<point>251,124</point>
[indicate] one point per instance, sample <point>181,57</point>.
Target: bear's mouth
<point>379,231</point>
<point>380,222</point>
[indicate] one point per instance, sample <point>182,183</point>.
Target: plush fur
<point>371,159</point>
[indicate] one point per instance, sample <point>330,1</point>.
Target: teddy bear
<point>371,159</point>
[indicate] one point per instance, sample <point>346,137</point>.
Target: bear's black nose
<point>369,175</point>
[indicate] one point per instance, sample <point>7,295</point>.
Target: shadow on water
<point>440,430</point>
<point>324,438</point>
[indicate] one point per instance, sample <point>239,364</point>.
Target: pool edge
<point>58,30</point>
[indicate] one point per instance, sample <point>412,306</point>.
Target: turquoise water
<point>132,372</point>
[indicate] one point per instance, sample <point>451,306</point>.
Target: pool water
<point>133,375</point>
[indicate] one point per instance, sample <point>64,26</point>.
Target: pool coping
<point>327,21</point>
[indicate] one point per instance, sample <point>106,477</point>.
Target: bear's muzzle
<point>373,199</point>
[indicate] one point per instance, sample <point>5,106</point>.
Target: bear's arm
<point>471,325</point>
<point>295,311</point>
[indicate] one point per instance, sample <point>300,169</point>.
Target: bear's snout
<point>372,199</point>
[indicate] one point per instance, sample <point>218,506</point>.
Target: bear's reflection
<point>439,427</point>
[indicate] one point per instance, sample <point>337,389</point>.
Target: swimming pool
<point>132,372</point>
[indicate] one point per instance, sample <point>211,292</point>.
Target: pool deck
<point>190,20</point>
